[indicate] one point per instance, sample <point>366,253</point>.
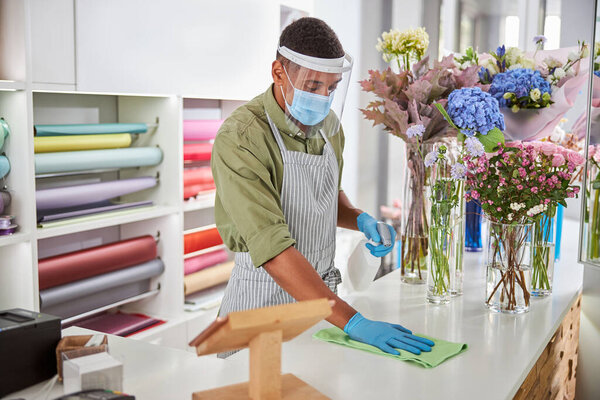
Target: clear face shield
<point>314,91</point>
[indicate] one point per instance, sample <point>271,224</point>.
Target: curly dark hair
<point>311,37</point>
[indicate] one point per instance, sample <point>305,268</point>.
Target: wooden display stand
<point>262,330</point>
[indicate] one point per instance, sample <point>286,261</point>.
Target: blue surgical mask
<point>308,108</point>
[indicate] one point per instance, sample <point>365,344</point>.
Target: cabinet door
<point>53,41</point>
<point>203,48</point>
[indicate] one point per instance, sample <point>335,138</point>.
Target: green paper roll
<point>70,161</point>
<point>88,129</point>
<point>4,166</point>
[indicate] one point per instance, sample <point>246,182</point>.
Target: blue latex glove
<point>368,226</point>
<point>385,336</point>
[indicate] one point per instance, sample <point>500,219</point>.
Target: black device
<point>28,341</point>
<point>97,394</point>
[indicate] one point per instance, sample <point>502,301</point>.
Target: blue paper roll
<point>88,129</point>
<point>70,161</point>
<point>4,166</point>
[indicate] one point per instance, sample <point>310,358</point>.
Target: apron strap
<point>277,135</point>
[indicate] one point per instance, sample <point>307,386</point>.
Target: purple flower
<point>431,158</point>
<point>458,171</point>
<point>474,147</point>
<point>500,51</point>
<point>415,130</point>
<point>540,39</point>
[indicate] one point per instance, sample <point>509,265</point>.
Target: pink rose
<point>548,148</point>
<point>558,160</point>
<point>597,157</point>
<point>575,158</point>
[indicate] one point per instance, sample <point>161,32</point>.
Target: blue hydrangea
<point>474,110</point>
<point>519,81</point>
<point>597,73</point>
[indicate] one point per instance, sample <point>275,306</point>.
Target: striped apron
<point>309,200</point>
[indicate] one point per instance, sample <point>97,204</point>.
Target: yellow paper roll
<point>207,278</point>
<point>48,144</point>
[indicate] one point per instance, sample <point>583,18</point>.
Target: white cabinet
<point>200,48</point>
<point>53,42</point>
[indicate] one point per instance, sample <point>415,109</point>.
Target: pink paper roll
<point>201,129</point>
<point>202,261</point>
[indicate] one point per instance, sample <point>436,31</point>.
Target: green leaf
<point>445,115</point>
<point>595,185</point>
<point>491,140</point>
<point>563,203</point>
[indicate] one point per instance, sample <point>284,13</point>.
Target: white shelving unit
<point>46,79</point>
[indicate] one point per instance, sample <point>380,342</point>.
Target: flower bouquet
<point>534,91</point>
<point>405,107</point>
<point>516,186</point>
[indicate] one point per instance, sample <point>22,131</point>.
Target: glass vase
<point>473,226</point>
<point>508,272</point>
<point>444,232</point>
<point>593,214</point>
<point>415,211</point>
<point>543,243</point>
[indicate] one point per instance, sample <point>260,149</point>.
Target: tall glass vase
<point>444,259</point>
<point>543,243</point>
<point>593,214</point>
<point>473,224</point>
<point>456,278</point>
<point>415,211</point>
<point>508,268</point>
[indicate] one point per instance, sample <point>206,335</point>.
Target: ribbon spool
<point>7,225</point>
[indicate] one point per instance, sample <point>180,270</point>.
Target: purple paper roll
<point>201,129</point>
<point>73,196</point>
<point>73,212</point>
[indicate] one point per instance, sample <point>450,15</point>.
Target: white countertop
<point>502,348</point>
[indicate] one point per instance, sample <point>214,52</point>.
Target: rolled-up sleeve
<point>249,197</point>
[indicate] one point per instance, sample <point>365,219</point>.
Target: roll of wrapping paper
<point>81,264</point>
<point>85,160</point>
<point>4,200</point>
<point>201,240</point>
<point>96,300</point>
<point>207,278</point>
<point>203,261</point>
<point>191,191</point>
<point>4,166</point>
<point>201,129</point>
<point>197,176</point>
<point>120,324</point>
<point>88,129</point>
<point>4,132</point>
<point>74,290</point>
<point>73,196</point>
<point>46,216</point>
<point>47,144</point>
<point>197,151</point>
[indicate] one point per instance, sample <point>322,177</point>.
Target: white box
<point>96,371</point>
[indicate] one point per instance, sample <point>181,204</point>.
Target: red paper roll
<point>191,191</point>
<point>197,176</point>
<point>81,264</point>
<point>197,151</point>
<point>197,241</point>
<point>202,261</point>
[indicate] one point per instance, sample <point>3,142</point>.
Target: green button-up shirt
<point>248,172</point>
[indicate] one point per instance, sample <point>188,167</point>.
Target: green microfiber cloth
<point>439,353</point>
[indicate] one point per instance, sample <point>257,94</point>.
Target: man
<point>277,164</point>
